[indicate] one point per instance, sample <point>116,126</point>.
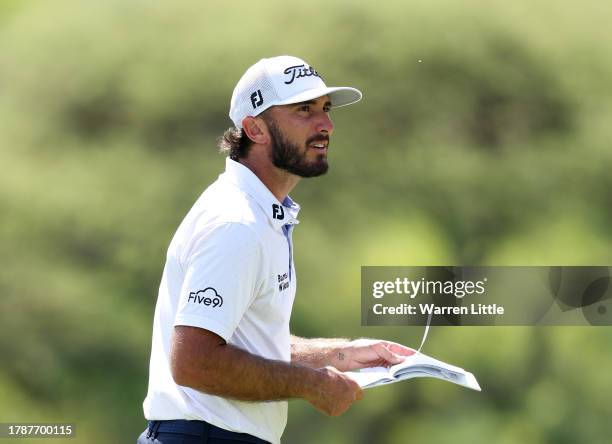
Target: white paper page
<point>415,366</point>
<point>368,376</point>
<point>422,359</point>
<point>441,370</point>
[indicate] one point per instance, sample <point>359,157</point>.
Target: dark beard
<point>287,155</point>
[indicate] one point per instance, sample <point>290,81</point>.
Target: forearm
<point>347,355</point>
<point>318,352</point>
<point>228,371</point>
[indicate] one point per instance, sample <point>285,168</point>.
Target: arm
<point>346,355</point>
<point>203,361</point>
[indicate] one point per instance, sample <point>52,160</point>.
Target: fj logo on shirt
<point>256,99</point>
<point>278,212</point>
<point>208,297</point>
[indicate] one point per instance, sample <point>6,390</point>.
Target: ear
<point>256,130</point>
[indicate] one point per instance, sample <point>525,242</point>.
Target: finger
<point>400,349</point>
<point>359,395</point>
<point>387,354</point>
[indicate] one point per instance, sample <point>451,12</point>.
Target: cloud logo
<point>208,297</point>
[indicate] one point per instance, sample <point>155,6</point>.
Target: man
<point>223,362</point>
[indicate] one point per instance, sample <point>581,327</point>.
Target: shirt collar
<point>278,214</point>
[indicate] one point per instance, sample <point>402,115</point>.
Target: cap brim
<point>338,95</point>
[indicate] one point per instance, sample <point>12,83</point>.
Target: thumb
<point>389,356</point>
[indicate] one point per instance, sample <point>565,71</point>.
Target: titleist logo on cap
<point>275,81</point>
<point>298,71</point>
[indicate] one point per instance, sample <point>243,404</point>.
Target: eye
<point>305,108</point>
<point>327,108</point>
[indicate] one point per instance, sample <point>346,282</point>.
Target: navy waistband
<point>200,428</point>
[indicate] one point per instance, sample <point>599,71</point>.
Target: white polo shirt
<point>229,270</point>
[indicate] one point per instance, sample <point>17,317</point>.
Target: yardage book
<point>414,366</point>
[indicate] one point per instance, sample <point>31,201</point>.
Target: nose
<point>325,124</point>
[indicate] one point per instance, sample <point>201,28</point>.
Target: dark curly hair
<point>235,143</point>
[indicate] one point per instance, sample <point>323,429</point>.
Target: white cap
<point>280,81</point>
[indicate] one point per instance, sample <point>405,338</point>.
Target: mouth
<point>319,145</point>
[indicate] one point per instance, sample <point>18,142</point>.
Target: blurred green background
<point>483,139</point>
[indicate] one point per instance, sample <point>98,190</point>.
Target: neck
<point>279,182</point>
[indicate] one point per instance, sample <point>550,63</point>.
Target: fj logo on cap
<point>298,71</point>
<point>256,99</point>
<point>278,212</point>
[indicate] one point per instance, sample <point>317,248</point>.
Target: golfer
<point>223,362</point>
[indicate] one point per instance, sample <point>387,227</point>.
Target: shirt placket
<point>287,231</point>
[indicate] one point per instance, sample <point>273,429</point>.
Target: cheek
<point>298,130</point>
<point>300,139</point>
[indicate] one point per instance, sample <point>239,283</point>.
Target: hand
<point>363,353</point>
<point>333,392</point>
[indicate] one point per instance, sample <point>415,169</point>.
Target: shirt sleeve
<point>221,279</point>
